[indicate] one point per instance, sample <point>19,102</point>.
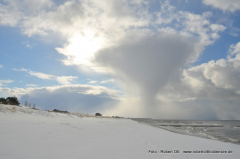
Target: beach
<point>27,133</point>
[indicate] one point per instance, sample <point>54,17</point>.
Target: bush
<point>98,114</point>
<point>9,100</point>
<point>3,101</point>
<point>12,101</point>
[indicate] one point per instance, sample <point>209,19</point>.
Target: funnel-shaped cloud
<point>148,62</point>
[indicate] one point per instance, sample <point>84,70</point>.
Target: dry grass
<point>1,109</point>
<point>105,117</point>
<point>8,109</point>
<point>14,109</point>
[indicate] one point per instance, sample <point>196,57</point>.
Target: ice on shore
<point>34,134</point>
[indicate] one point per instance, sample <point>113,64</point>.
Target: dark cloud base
<point>70,98</point>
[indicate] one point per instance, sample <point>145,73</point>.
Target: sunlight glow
<point>82,47</point>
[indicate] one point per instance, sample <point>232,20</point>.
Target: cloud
<point>36,74</point>
<point>28,44</point>
<point>1,66</point>
<point>91,25</point>
<point>3,82</point>
<point>65,80</point>
<point>215,80</point>
<point>218,79</point>
<point>9,17</point>
<point>41,75</point>
<point>234,49</point>
<point>235,31</point>
<point>92,82</point>
<point>192,109</point>
<point>13,12</point>
<point>225,5</point>
<point>31,85</point>
<point>101,24</point>
<point>208,91</point>
<point>102,82</point>
<point>144,64</point>
<point>146,61</point>
<point>75,98</point>
<point>107,81</point>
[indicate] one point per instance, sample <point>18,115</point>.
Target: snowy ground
<point>33,134</point>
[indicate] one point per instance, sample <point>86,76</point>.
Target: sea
<point>221,130</point>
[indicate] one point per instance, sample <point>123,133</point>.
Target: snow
<point>34,134</point>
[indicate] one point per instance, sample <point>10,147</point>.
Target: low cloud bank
<point>75,98</point>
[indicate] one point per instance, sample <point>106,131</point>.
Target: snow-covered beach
<point>27,133</point>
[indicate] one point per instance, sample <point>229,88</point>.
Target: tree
<point>98,114</point>
<point>3,101</point>
<point>34,106</point>
<point>12,101</point>
<point>26,103</point>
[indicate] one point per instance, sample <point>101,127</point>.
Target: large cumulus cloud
<point>148,61</point>
<point>208,91</point>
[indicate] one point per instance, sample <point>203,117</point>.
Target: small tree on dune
<point>26,103</point>
<point>3,101</point>
<point>12,101</point>
<point>98,114</point>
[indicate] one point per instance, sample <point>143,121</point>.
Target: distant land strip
<point>194,125</point>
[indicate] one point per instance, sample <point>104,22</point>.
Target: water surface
<point>222,130</point>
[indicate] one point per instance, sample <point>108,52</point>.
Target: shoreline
<point>174,130</point>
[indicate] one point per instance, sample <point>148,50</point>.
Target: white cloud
<point>28,44</point>
<point>102,82</point>
<point>215,80</point>
<point>145,63</point>
<point>41,75</point>
<point>218,79</point>
<point>235,31</point>
<point>91,25</point>
<point>107,81</point>
<point>3,82</point>
<point>199,92</point>
<point>31,85</point>
<point>108,22</point>
<point>22,69</point>
<point>234,49</point>
<point>37,74</point>
<point>225,5</point>
<point>9,17</point>
<point>93,92</point>
<point>65,80</point>
<point>1,66</point>
<point>12,12</point>
<point>217,27</point>
<point>92,82</point>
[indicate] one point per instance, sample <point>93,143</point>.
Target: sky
<point>174,59</point>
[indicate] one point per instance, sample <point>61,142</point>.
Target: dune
<point>34,134</point>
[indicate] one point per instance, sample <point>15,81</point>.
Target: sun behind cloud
<point>81,48</point>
